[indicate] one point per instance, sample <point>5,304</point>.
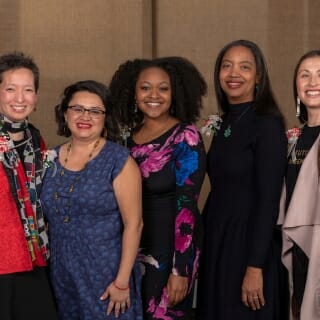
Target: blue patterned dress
<point>85,229</point>
<point>172,168</point>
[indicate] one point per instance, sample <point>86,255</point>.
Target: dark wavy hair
<point>303,110</point>
<point>93,87</point>
<point>187,87</point>
<point>18,60</point>
<point>264,100</point>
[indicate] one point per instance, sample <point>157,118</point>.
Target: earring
<point>257,87</point>
<point>65,128</point>
<point>135,107</point>
<point>298,108</point>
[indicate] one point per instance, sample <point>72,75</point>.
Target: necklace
<point>228,130</point>
<point>65,161</point>
<point>70,188</point>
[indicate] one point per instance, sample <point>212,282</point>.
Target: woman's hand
<point>177,288</point>
<point>119,299</point>
<point>252,288</point>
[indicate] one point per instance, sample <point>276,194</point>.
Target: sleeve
<point>190,165</point>
<point>269,170</point>
<point>121,155</point>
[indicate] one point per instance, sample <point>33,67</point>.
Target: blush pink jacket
<point>301,225</point>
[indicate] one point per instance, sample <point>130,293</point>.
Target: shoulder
<point>116,150</point>
<point>270,123</point>
<point>188,133</point>
<point>270,131</point>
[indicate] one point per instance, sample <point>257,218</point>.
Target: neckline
<point>236,109</point>
<point>159,137</point>
<point>88,163</point>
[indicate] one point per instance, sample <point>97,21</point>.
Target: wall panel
<point>74,40</point>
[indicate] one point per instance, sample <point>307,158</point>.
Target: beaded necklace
<point>70,189</point>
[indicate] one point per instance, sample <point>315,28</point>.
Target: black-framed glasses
<point>93,112</point>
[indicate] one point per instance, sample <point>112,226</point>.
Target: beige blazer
<point>301,224</point>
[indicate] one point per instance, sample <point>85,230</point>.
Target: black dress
<point>246,171</point>
<point>173,169</point>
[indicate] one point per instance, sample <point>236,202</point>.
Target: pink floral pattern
<point>183,240</point>
<point>176,162</point>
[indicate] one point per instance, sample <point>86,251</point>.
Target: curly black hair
<point>187,86</point>
<point>303,117</point>
<point>264,100</point>
<point>93,87</point>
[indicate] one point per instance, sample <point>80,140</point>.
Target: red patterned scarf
<point>25,181</point>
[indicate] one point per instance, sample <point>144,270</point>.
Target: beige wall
<point>76,39</point>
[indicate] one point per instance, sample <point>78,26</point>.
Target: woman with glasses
<point>92,200</point>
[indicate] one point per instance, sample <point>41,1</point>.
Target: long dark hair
<point>93,87</point>
<point>303,110</point>
<point>264,100</point>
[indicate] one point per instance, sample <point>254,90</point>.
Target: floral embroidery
<point>211,125</point>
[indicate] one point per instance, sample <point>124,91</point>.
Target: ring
<point>255,297</point>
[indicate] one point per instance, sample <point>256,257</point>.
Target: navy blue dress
<point>246,171</point>
<point>85,230</point>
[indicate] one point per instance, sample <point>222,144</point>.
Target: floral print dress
<point>173,169</point>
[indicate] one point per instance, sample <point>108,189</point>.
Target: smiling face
<point>153,93</point>
<point>84,126</point>
<point>238,75</point>
<point>308,82</point>
<point>17,94</point>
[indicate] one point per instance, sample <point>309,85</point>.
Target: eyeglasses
<point>93,112</point>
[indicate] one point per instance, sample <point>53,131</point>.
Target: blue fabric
<point>86,234</point>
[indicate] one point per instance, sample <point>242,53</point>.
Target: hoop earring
<point>298,111</point>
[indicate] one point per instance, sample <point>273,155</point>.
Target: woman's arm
<point>269,169</point>
<point>190,160</point>
<point>127,188</point>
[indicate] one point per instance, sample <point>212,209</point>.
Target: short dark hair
<point>187,86</point>
<point>303,110</point>
<point>18,60</point>
<point>264,100</point>
<point>93,87</point>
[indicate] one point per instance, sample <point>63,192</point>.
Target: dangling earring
<point>135,106</point>
<point>298,108</point>
<point>257,87</point>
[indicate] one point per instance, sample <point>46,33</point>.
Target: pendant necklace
<point>70,189</point>
<point>228,130</point>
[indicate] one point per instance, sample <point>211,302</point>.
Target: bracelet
<point>119,288</point>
